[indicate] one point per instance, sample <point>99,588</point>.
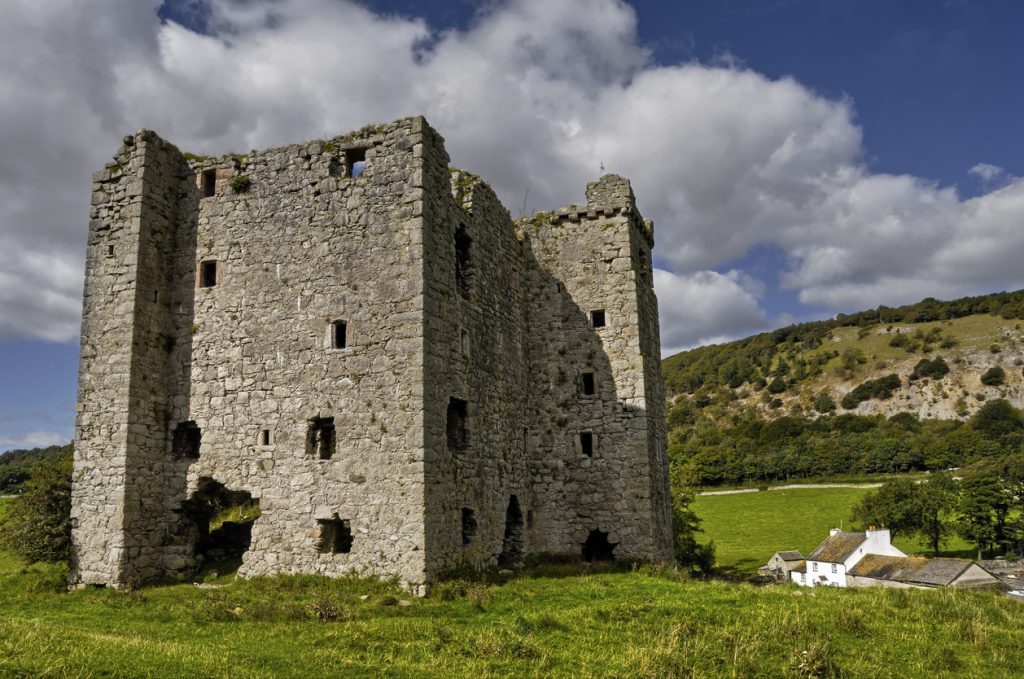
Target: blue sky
<point>800,157</point>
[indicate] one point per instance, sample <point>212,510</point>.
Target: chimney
<point>882,535</point>
<point>834,531</point>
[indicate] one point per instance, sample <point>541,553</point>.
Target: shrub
<point>685,525</point>
<point>777,386</point>
<point>240,183</point>
<point>882,389</point>
<point>994,377</point>
<point>935,369</point>
<point>38,525</point>
<point>823,403</point>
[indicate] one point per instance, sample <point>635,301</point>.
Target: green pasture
<point>747,528</point>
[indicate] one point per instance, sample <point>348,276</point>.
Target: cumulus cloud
<point>534,95</point>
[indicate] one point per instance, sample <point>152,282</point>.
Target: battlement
<point>358,338</point>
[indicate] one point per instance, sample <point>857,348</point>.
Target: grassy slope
<point>748,528</point>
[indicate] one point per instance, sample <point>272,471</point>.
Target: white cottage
<point>830,562</point>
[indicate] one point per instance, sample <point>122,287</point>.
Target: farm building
<point>918,572</point>
<point>781,563</point>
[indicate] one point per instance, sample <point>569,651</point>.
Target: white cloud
<point>534,94</point>
<point>986,171</point>
<point>706,307</point>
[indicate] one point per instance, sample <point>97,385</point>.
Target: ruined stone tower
<point>363,341</point>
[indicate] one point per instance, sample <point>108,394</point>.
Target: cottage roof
<point>791,555</point>
<point>837,548</point>
<point>911,569</point>
<point>799,568</point>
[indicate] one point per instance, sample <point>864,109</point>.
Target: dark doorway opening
<point>512,542</point>
<point>597,547</point>
<point>223,519</point>
<point>335,536</point>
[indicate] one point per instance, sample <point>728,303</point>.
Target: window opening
<point>597,319</point>
<point>209,183</point>
<point>588,384</point>
<point>464,343</point>
<point>156,295</point>
<point>529,518</point>
<point>463,261</point>
<point>355,162</point>
<point>265,438</point>
<point>185,440</point>
<point>335,536</point>
<point>208,273</point>
<point>320,438</point>
<point>468,525</point>
<point>587,443</point>
<point>456,425</point>
<point>110,251</point>
<point>339,334</point>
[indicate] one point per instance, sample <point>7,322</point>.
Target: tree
<point>937,499</point>
<point>685,526</point>
<point>823,403</point>
<point>38,525</point>
<point>894,505</point>
<point>997,418</point>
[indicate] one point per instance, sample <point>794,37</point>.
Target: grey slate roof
<point>836,548</point>
<point>911,569</point>
<point>792,555</point>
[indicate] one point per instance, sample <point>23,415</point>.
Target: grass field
<point>553,622</point>
<point>748,528</point>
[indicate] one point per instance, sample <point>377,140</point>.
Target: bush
<point>240,183</point>
<point>994,377</point>
<point>823,403</point>
<point>38,525</point>
<point>882,389</point>
<point>936,369</point>
<point>777,386</point>
<point>685,525</point>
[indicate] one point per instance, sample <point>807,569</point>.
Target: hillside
<point>948,359</point>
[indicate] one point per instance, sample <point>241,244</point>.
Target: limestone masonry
<point>361,340</point>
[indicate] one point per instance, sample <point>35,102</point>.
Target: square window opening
<point>208,273</point>
<point>335,536</point>
<point>468,525</point>
<point>458,413</point>
<point>265,438</point>
<point>339,335</point>
<point>209,183</point>
<point>186,440</point>
<point>320,438</point>
<point>587,443</point>
<point>597,318</point>
<point>588,384</point>
<point>355,162</point>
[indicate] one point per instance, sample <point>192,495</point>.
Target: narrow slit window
<point>458,438</point>
<point>468,525</point>
<point>464,343</point>
<point>265,437</point>
<point>209,183</point>
<point>587,443</point>
<point>208,273</point>
<point>110,251</point>
<point>588,384</point>
<point>597,319</point>
<point>339,335</point>
<point>355,162</point>
<point>320,438</point>
<point>156,295</point>
<point>463,261</point>
<point>335,536</point>
<point>186,440</point>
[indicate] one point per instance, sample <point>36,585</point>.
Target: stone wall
<point>212,349</point>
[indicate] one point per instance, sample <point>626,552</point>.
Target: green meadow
<point>747,528</point>
<point>550,621</point>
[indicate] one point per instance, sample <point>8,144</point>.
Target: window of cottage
<point>458,439</point>
<point>320,438</point>
<point>208,273</point>
<point>335,536</point>
<point>209,183</point>
<point>597,319</point>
